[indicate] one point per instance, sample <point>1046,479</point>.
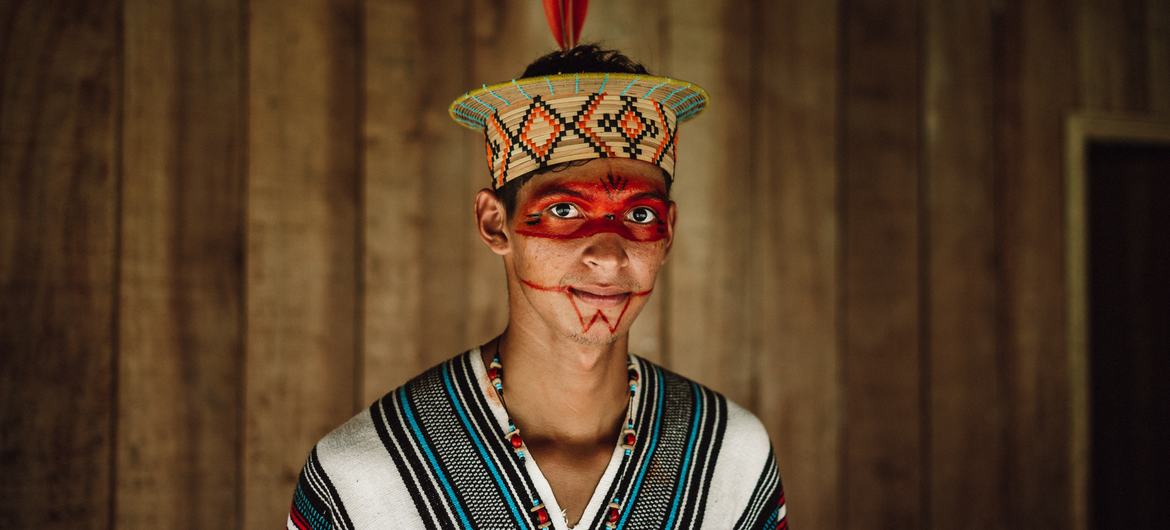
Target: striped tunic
<point>432,454</point>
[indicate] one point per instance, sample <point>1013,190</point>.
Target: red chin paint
<point>586,325</point>
<point>601,207</point>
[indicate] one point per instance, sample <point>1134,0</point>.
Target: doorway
<point>1129,332</point>
<point>1117,192</point>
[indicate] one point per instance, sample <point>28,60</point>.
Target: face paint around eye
<point>642,215</point>
<point>564,210</point>
<point>636,211</point>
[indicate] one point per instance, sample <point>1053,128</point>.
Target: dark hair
<point>584,58</point>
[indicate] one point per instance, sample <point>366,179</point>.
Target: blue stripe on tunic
<point>649,452</point>
<point>422,442</point>
<point>690,447</point>
<point>483,454</point>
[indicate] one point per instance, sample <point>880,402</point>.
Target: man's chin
<point>593,338</point>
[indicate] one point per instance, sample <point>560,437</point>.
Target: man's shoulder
<point>359,434</point>
<point>745,465</point>
<point>743,431</point>
<point>346,447</point>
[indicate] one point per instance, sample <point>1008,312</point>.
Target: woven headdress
<point>536,122</point>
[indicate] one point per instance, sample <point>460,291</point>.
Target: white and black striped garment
<point>432,454</point>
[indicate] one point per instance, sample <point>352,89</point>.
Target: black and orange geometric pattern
<point>532,123</point>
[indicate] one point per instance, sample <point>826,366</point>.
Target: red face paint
<point>599,315</point>
<point>635,210</point>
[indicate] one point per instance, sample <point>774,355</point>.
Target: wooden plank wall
<point>303,267</point>
<point>227,225</point>
<point>881,265</point>
<point>181,299</point>
<point>60,101</point>
<point>1035,89</point>
<point>795,338</point>
<point>961,370</point>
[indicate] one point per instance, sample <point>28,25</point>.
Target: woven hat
<point>535,122</point>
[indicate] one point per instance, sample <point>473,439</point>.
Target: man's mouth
<point>600,297</point>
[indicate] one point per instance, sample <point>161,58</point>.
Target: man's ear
<point>671,216</point>
<point>491,220</point>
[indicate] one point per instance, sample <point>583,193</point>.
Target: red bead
<point>630,438</point>
<point>493,373</point>
<point>613,515</point>
<point>542,515</point>
<point>517,442</point>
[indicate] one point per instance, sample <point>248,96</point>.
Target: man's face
<point>587,245</point>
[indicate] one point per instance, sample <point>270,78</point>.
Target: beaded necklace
<point>495,373</point>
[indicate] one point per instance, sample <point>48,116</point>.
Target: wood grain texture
<point>708,284</point>
<point>795,183</point>
<point>1036,86</point>
<point>181,317</point>
<point>1158,57</point>
<point>59,105</point>
<point>302,298</point>
<point>505,36</point>
<point>965,409</point>
<point>796,346</point>
<point>417,223</point>
<point>883,447</point>
<point>1111,45</point>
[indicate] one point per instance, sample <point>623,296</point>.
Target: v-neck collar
<point>597,500</point>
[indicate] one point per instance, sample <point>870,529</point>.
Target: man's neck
<point>562,391</point>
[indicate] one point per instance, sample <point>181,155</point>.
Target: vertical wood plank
<point>795,256</point>
<point>59,108</point>
<point>506,35</point>
<point>180,323</point>
<point>417,225</point>
<point>882,266</point>
<point>637,29</point>
<point>1036,86</point>
<point>1111,40</point>
<point>708,284</point>
<point>965,408</point>
<point>1158,64</point>
<point>301,213</point>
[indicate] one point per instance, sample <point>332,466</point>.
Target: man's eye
<point>564,210</point>
<point>642,215</point>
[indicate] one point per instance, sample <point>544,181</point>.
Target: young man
<point>554,423</point>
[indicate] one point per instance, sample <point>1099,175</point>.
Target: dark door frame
<point>1080,130</point>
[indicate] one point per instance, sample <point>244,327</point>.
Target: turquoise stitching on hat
<point>654,88</point>
<point>577,84</point>
<point>470,123</point>
<point>683,101</point>
<point>463,118</point>
<point>627,89</point>
<point>480,115</point>
<point>551,92</point>
<point>473,114</point>
<point>521,89</point>
<point>480,101</point>
<point>676,91</point>
<point>603,83</point>
<point>466,114</point>
<point>493,92</point>
<point>686,112</point>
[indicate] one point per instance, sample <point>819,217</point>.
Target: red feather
<point>565,20</point>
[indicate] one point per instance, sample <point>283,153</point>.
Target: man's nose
<point>606,250</point>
